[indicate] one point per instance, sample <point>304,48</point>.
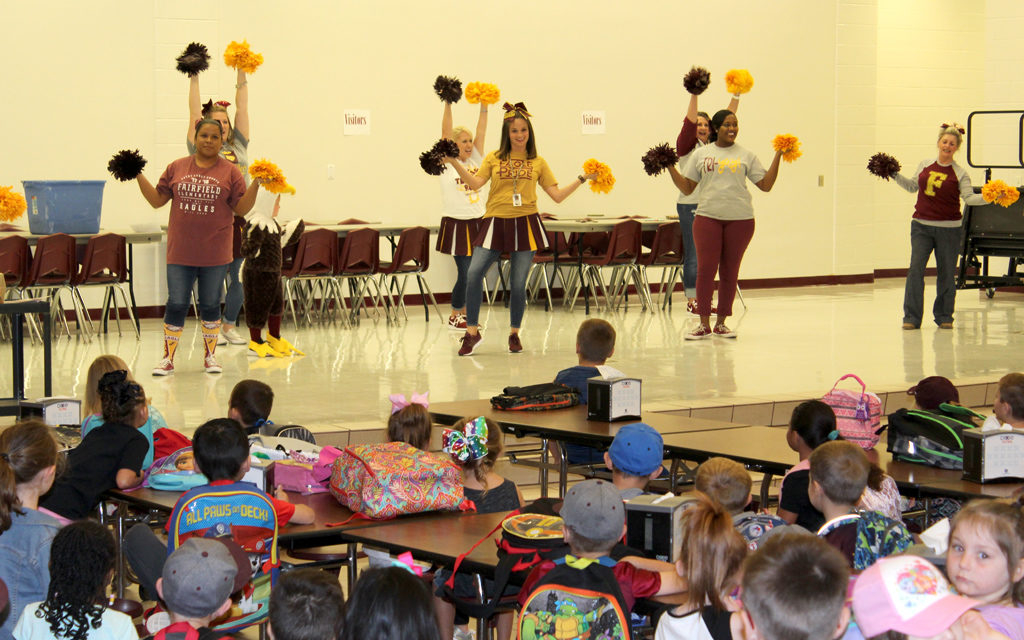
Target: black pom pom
<point>697,80</point>
<point>194,60</point>
<point>446,148</point>
<point>448,89</point>
<point>883,165</point>
<point>432,160</point>
<point>126,165</point>
<point>659,158</point>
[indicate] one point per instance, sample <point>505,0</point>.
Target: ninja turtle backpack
<point>578,598</point>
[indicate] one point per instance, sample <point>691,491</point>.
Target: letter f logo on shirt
<point>935,180</point>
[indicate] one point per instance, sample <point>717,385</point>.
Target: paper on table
<point>937,536</point>
<point>609,372</point>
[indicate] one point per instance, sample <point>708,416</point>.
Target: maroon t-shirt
<point>202,211</point>
<point>938,193</point>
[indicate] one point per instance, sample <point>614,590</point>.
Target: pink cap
<point>908,594</point>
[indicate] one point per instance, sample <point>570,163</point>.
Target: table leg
<point>353,550</point>
<point>18,356</point>
<point>766,484</point>
<point>583,284</point>
<point>131,289</point>
<point>543,474</point>
<point>47,358</point>
<point>119,539</point>
<point>563,470</point>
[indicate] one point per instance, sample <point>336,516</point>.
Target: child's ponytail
<point>711,552</point>
<point>120,396</point>
<point>26,448</point>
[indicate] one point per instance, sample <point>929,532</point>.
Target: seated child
<point>812,424</point>
<point>794,586</point>
<point>595,521</point>
<point>410,420</point>
<point>728,483</point>
<point>475,444</point>
<point>985,561</point>
<point>196,585</point>
<point>81,564</point>
<point>839,473</point>
<point>93,411</point>
<point>907,595</point>
<point>711,552</point>
<point>221,451</point>
<point>306,604</point>
<point>635,458</point>
<point>250,404</point>
<point>109,457</point>
<point>390,604</point>
<point>1009,405</point>
<point>595,343</point>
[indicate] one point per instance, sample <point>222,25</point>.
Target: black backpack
<point>933,438</point>
<point>536,397</point>
<point>578,598</point>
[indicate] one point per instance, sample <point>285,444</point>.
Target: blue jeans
<point>233,298</point>
<point>924,239</point>
<point>180,279</point>
<point>685,212</point>
<point>459,291</point>
<point>482,261</point>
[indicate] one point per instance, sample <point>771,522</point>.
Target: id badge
<point>517,200</point>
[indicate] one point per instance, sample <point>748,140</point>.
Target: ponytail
<point>120,396</point>
<point>712,551</point>
<point>26,448</point>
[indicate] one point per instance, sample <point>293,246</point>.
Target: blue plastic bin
<point>64,206</point>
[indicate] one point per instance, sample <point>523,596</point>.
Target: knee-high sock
<point>210,332</point>
<point>256,334</point>
<point>274,326</point>
<point>171,336</point>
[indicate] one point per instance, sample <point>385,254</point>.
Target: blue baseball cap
<point>637,449</point>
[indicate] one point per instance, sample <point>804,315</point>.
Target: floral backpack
<point>386,480</point>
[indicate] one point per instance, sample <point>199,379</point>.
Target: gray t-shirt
<point>721,174</point>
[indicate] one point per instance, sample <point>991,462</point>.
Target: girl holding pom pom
<point>936,226</point>
<point>235,150</point>
<point>511,222</point>
<point>462,207</point>
<point>695,133</point>
<point>724,220</point>
<point>206,193</point>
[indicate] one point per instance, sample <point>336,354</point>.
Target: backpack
<point>858,413</point>
<point>528,536</point>
<point>755,526</point>
<point>933,438</point>
<point>536,397</point>
<point>878,536</point>
<point>578,598</point>
<point>185,631</point>
<point>175,472</point>
<point>394,478</point>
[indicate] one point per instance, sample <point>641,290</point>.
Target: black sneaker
<point>514,345</point>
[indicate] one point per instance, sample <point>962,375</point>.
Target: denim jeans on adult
<point>459,290</point>
<point>924,239</point>
<point>180,279</point>
<point>482,261</point>
<point>233,298</point>
<point>685,212</point>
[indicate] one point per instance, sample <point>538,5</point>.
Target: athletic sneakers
<point>164,368</point>
<point>230,336</point>
<point>702,332</point>
<point>514,345</point>
<point>211,364</point>
<point>457,322</point>
<point>722,331</point>
<point>470,343</point>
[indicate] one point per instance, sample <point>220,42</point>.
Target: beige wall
<point>848,77</point>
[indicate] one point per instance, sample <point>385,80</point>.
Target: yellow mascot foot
<point>263,350</point>
<point>283,347</point>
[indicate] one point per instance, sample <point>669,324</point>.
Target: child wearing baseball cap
<point>594,522</point>
<point>197,582</point>
<point>907,595</point>
<point>635,458</point>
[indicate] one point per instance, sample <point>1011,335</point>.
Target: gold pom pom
<point>12,204</point>
<point>270,176</point>
<point>240,56</point>
<point>789,145</point>
<point>604,181</point>
<point>998,192</point>
<point>738,81</point>
<point>484,92</point>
